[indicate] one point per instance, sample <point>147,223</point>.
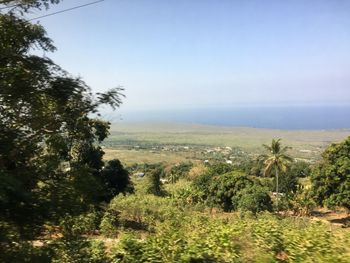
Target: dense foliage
<point>197,238</point>
<point>179,171</point>
<point>254,199</point>
<point>51,163</point>
<point>227,190</point>
<point>225,187</point>
<point>154,185</point>
<point>331,178</point>
<point>116,179</point>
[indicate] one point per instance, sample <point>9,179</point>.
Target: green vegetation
<point>51,163</point>
<point>60,200</point>
<point>154,184</point>
<point>142,142</point>
<point>276,160</point>
<point>331,178</point>
<point>262,239</point>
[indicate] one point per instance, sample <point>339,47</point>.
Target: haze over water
<point>276,117</point>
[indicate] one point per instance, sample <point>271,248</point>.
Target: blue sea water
<point>281,117</point>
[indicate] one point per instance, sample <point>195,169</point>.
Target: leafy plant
<point>254,199</point>
<point>331,177</point>
<point>225,187</point>
<point>154,184</point>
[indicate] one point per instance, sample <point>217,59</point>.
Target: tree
<point>116,179</point>
<point>300,169</point>
<point>25,5</point>
<point>289,183</point>
<point>203,181</point>
<point>254,199</point>
<point>331,177</point>
<point>154,184</point>
<point>50,158</point>
<point>276,160</point>
<point>224,188</point>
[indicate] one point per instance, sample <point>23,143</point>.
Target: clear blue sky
<point>199,53</point>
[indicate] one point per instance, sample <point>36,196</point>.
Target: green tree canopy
<point>331,177</point>
<point>50,158</point>
<point>224,187</point>
<point>116,179</point>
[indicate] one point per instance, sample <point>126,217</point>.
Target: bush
<point>224,187</point>
<point>155,186</point>
<point>289,180</point>
<point>75,226</point>
<point>302,203</point>
<point>330,179</point>
<point>265,238</point>
<point>137,212</point>
<point>197,170</point>
<point>254,199</point>
<point>202,185</point>
<point>287,183</point>
<point>220,168</point>
<point>300,169</point>
<point>25,252</point>
<point>179,171</point>
<point>189,195</point>
<point>79,250</point>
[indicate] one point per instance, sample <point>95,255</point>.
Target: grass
<point>142,156</point>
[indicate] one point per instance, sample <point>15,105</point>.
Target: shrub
<point>189,196</point>
<point>129,249</point>
<point>202,185</point>
<point>197,170</point>
<point>302,202</point>
<point>287,182</point>
<point>155,186</point>
<point>75,226</point>
<point>301,169</point>
<point>179,171</point>
<point>220,168</point>
<point>330,179</point>
<point>265,238</point>
<point>254,199</point>
<point>25,252</point>
<point>79,250</point>
<point>137,212</point>
<point>224,187</point>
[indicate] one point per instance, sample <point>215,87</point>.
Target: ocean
<point>277,117</point>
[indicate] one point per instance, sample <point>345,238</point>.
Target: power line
<point>66,10</point>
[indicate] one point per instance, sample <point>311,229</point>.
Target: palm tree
<point>276,160</point>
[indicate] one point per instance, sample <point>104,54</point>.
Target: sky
<point>171,54</point>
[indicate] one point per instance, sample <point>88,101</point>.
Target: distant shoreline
<point>183,126</point>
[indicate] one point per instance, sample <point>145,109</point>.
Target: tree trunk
<point>277,193</point>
